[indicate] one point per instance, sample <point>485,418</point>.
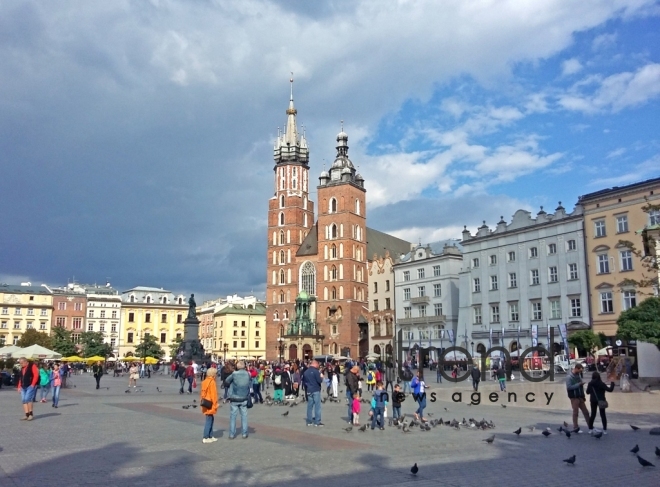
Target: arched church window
<point>304,202</point>
<point>281,256</point>
<point>333,273</point>
<point>281,237</point>
<point>333,231</point>
<point>282,218</point>
<point>286,314</point>
<point>308,278</point>
<point>282,281</point>
<point>333,205</point>
<point>357,207</point>
<point>333,251</point>
<point>282,201</point>
<point>334,293</point>
<point>276,315</point>
<point>282,294</point>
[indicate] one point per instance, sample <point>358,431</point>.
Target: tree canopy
<point>34,337</point>
<point>585,340</point>
<point>92,344</point>
<point>174,346</point>
<point>62,343</point>
<point>641,322</point>
<point>149,348</point>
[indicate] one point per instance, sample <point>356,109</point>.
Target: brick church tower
<point>290,216</point>
<point>342,253</point>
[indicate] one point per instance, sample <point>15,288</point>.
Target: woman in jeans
<point>44,381</point>
<point>209,391</point>
<point>56,384</point>
<point>596,390</point>
<point>419,394</point>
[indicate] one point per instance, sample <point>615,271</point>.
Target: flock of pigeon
<point>407,427</point>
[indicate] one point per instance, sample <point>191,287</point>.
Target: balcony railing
<point>422,320</point>
<point>420,300</point>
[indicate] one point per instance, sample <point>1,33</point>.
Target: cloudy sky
<point>136,136</point>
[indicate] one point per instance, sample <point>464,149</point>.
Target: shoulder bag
<point>205,403</point>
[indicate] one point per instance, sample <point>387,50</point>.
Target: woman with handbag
<point>596,390</point>
<point>208,400</point>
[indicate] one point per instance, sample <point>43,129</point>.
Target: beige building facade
<point>382,318</point>
<point>614,249</point>
<point>150,311</point>
<point>239,331</point>
<point>24,307</point>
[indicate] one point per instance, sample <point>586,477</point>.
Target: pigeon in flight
<point>635,428</point>
<point>635,450</point>
<point>517,432</point>
<point>414,469</point>
<point>570,460</point>
<point>490,439</point>
<point>644,463</point>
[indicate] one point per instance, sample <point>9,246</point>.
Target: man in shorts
<point>27,386</point>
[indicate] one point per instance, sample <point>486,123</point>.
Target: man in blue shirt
<point>313,379</point>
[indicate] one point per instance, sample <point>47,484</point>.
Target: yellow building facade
<point>239,331</point>
<point>612,220</point>
<point>24,307</point>
<point>150,311</point>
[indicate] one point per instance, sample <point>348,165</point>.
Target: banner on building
<point>490,338</point>
<point>450,332</point>
<point>519,345</point>
<point>564,336</point>
<point>535,335</point>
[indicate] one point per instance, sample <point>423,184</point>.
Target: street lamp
<point>472,345</point>
<point>280,346</point>
<point>225,348</point>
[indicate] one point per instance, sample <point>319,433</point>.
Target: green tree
<point>34,337</point>
<point>585,340</point>
<point>174,346</point>
<point>149,348</point>
<point>92,344</point>
<point>641,322</point>
<point>62,342</point>
<point>650,263</point>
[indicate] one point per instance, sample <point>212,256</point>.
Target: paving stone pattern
<point>111,438</point>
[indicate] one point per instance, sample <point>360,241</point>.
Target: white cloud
<point>604,41</point>
<point>639,172</point>
<point>571,66</point>
<point>616,153</point>
<point>616,92</point>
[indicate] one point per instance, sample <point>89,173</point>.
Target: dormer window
<point>148,300</point>
<point>131,299</point>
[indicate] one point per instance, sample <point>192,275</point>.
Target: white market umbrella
<point>36,352</point>
<point>599,353</point>
<point>9,350</point>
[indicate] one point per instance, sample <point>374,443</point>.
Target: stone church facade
<point>326,258</point>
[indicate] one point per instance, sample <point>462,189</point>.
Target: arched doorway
<point>293,352</point>
<point>481,349</point>
<point>307,352</point>
<point>377,349</point>
<point>388,350</point>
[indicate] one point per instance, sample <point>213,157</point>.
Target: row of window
<point>281,219</point>
<point>333,231</point>
<point>147,317</point>
<point>532,253</point>
<point>332,206</point>
<point>131,336</point>
<point>603,262</point>
<point>421,292</point>
<point>621,223</point>
<point>4,325</point>
<point>256,333</point>
<point>61,321</point>
<point>30,311</point>
<point>91,314</point>
<point>575,311</point>
<point>149,300</point>
<point>282,201</point>
<point>422,310</point>
<point>388,304</point>
<point>61,306</point>
<point>421,273</point>
<point>534,278</point>
<point>434,333</point>
<point>387,286</point>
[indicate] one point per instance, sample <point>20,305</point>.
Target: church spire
<point>291,146</point>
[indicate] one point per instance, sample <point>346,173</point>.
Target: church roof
<point>378,242</point>
<point>310,245</point>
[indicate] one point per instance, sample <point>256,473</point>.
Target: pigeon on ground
<point>430,415</point>
<point>363,428</point>
<point>503,405</point>
<point>531,428</point>
<point>546,433</point>
<point>446,409</point>
<point>517,432</point>
<point>194,400</point>
<point>644,463</point>
<point>194,406</point>
<point>568,434</point>
<point>414,469</point>
<point>635,449</point>
<point>286,414</point>
<point>185,407</point>
<point>490,439</point>
<point>127,391</point>
<point>323,400</point>
<point>598,435</point>
<point>565,424</point>
<point>657,451</point>
<point>405,428</point>
<point>635,428</point>
<point>570,460</point>
<point>158,389</point>
<point>349,429</point>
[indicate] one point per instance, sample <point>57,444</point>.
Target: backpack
<point>370,376</point>
<point>278,380</point>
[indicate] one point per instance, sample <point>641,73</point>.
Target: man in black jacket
<point>475,373</point>
<point>97,370</point>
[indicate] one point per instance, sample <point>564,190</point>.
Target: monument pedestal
<point>191,347</point>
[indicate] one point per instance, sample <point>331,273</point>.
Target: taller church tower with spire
<point>290,216</point>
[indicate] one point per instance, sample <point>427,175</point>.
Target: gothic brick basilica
<point>317,283</point>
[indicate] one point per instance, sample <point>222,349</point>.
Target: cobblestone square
<point>113,438</point>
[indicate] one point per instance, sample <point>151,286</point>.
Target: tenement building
<point>326,258</point>
<point>523,277</point>
<point>615,219</point>
<point>103,314</point>
<point>69,307</point>
<point>426,296</point>
<point>24,307</point>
